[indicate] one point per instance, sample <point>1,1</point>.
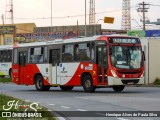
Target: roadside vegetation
<point>157,81</point>
<point>5,79</point>
<point>21,106</point>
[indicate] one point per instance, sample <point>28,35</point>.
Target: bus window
<point>92,51</point>
<point>67,53</point>
<point>45,54</point>
<point>36,55</point>
<point>5,56</point>
<point>82,52</point>
<point>15,56</point>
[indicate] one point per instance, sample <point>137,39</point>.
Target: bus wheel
<point>66,88</point>
<point>118,88</point>
<point>39,84</point>
<point>87,84</point>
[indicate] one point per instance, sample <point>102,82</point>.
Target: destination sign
<point>125,40</point>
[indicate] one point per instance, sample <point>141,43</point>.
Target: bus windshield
<point>128,57</point>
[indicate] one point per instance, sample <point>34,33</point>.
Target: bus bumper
<point>125,81</point>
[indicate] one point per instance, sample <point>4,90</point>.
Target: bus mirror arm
<point>110,51</point>
<point>144,58</point>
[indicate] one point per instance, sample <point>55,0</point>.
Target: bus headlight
<point>114,73</point>
<point>142,74</point>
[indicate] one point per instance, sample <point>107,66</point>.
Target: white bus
<point>5,60</point>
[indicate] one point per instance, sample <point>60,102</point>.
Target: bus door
<point>22,67</point>
<point>102,62</point>
<point>55,60</point>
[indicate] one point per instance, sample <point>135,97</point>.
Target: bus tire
<point>88,84</point>
<point>39,84</point>
<point>118,88</point>
<point>66,88</point>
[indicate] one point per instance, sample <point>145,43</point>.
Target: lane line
<point>65,107</point>
<point>51,104</point>
<point>81,110</point>
<point>49,110</point>
<point>60,118</point>
<point>122,119</point>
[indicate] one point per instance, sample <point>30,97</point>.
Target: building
<point>28,32</point>
<point>10,32</point>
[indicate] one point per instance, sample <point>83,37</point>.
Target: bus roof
<point>5,47</point>
<point>58,41</point>
<point>71,40</point>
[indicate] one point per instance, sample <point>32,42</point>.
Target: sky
<point>68,12</point>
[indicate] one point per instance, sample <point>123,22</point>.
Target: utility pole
<point>2,42</point>
<point>85,31</point>
<point>9,10</point>
<point>143,8</point>
<point>51,13</point>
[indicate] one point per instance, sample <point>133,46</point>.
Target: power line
<point>143,8</point>
<point>80,15</point>
<point>155,5</point>
<point>62,17</point>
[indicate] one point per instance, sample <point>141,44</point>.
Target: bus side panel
<point>67,71</point>
<point>83,67</point>
<point>27,76</point>
<point>44,70</point>
<point>4,68</point>
<point>15,74</point>
<point>33,69</point>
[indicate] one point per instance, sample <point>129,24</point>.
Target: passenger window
<point>37,55</point>
<point>67,53</point>
<point>82,52</point>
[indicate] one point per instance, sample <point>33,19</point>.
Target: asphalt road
<point>104,99</point>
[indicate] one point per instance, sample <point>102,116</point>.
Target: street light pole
<point>85,21</point>
<point>96,26</point>
<point>51,13</point>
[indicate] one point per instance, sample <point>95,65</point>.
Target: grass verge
<point>14,105</point>
<point>5,79</point>
<point>157,81</point>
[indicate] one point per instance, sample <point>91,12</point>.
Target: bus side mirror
<point>144,58</point>
<point>110,51</point>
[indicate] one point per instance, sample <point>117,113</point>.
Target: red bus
<point>91,62</point>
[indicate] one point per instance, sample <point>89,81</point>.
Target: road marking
<point>51,104</point>
<point>49,110</point>
<point>81,110</point>
<point>60,118</point>
<point>65,107</point>
<point>122,119</point>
